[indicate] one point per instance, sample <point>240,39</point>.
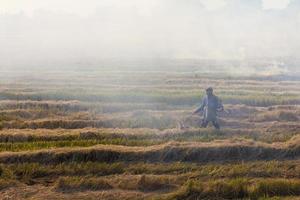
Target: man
<point>210,105</point>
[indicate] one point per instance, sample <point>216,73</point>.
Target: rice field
<point>115,135</point>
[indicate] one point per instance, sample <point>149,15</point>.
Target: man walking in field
<point>211,104</point>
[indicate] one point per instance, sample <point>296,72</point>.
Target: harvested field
<point>115,135</point>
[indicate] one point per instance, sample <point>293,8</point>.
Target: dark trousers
<point>214,122</point>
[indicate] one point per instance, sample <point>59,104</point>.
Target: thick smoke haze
<point>71,32</point>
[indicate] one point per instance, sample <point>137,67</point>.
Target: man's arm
<point>220,107</point>
<point>201,108</point>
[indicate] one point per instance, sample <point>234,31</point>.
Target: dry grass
<point>114,136</point>
<point>223,150</point>
<point>237,189</point>
<point>81,184</point>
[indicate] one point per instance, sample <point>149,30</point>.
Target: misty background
<point>257,35</point>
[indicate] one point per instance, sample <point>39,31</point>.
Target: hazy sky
<point>85,7</point>
<point>70,31</point>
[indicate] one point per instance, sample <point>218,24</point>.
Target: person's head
<point>209,91</point>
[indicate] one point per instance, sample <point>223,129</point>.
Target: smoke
<point>66,32</point>
<point>275,4</point>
